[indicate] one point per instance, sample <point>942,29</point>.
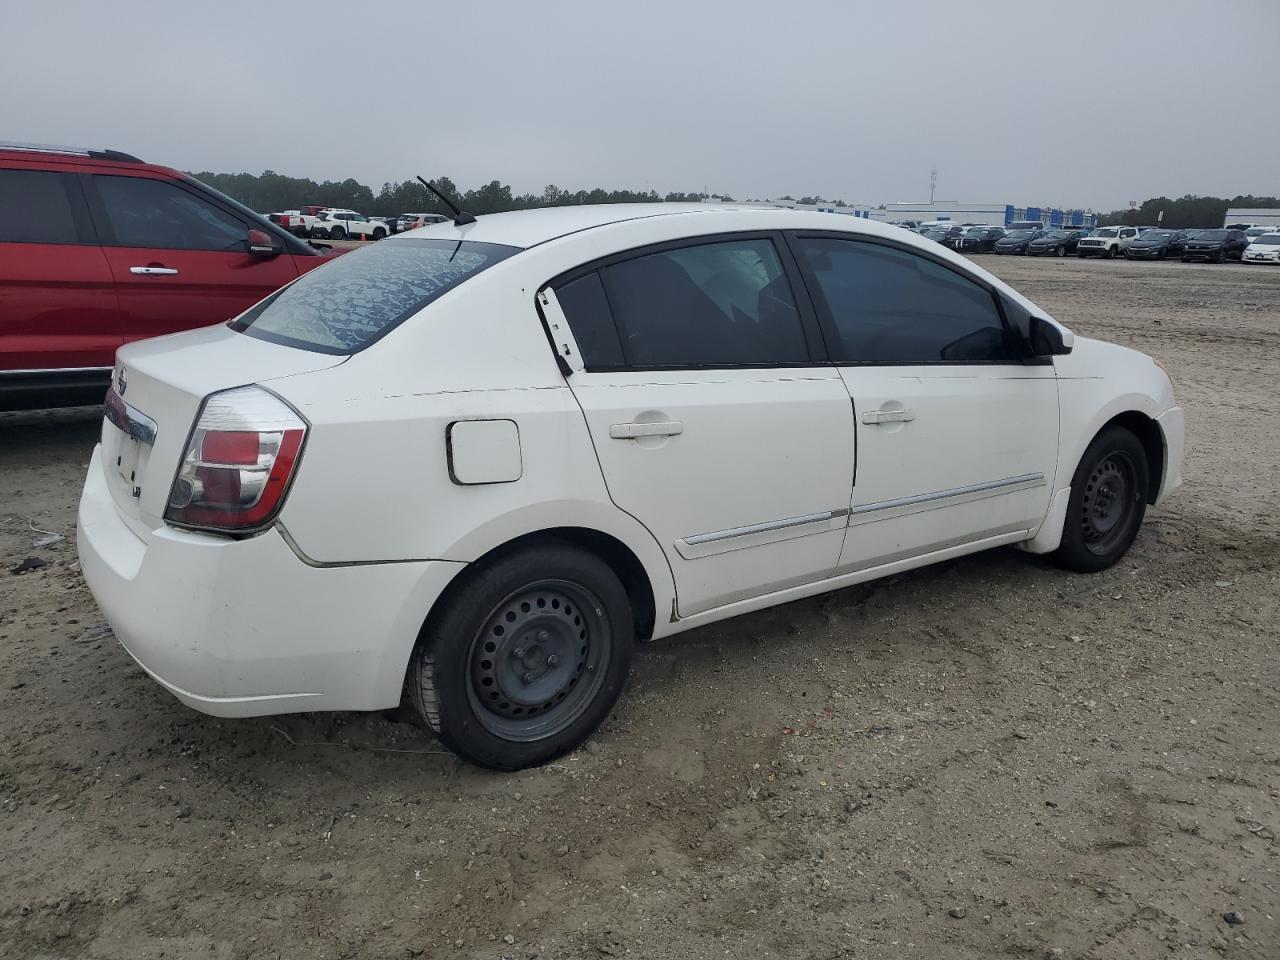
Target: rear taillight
<point>238,463</point>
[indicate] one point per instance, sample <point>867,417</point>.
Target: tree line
<point>1187,211</point>
<point>271,192</point>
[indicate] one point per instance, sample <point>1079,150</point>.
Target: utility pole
<point>933,183</point>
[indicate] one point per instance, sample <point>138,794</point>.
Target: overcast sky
<point>1091,103</point>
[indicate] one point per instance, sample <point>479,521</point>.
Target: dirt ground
<point>989,757</point>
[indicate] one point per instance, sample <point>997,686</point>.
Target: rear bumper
<point>238,628</point>
<point>1173,429</point>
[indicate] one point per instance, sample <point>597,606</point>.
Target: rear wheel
<point>526,658</point>
<point>1107,504</point>
<point>337,233</point>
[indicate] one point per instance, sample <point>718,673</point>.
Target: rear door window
<point>726,303</point>
<point>355,300</point>
<point>35,207</point>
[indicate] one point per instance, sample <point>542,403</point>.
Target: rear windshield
<point>347,304</point>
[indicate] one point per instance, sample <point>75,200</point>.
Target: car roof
<point>528,228</point>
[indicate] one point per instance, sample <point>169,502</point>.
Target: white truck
<point>1106,242</point>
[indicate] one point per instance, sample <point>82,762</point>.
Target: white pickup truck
<point>1106,242</point>
<point>337,224</point>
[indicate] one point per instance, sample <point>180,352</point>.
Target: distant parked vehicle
<point>1017,241</point>
<point>1215,246</point>
<point>411,221</point>
<point>1263,249</point>
<point>343,224</point>
<point>980,239</point>
<point>1055,243</point>
<point>1106,242</point>
<point>391,222</point>
<point>951,236</point>
<point>1157,245</point>
<point>1254,232</point>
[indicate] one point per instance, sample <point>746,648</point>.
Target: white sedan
<point>478,463</point>
<point>1263,248</point>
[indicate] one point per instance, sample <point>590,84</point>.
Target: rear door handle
<point>888,416</point>
<point>629,431</point>
<point>153,271</point>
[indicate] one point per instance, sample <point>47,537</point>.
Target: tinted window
<point>350,302</point>
<point>34,208</point>
<point>587,310</point>
<point>716,304</point>
<point>891,306</point>
<point>153,213</point>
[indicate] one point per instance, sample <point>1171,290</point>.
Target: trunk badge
<point>122,382</point>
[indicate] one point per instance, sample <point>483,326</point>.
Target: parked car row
<point>340,223</point>
<point>1246,243</point>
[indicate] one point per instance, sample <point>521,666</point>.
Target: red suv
<point>98,248</point>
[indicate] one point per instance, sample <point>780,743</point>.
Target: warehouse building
<point>1262,216</point>
<point>993,214</point>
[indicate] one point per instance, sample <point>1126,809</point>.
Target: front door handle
<point>888,416</point>
<point>630,431</point>
<point>153,271</point>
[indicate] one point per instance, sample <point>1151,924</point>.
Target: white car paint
<point>775,485</point>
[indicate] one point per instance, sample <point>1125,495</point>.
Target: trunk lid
<point>156,391</point>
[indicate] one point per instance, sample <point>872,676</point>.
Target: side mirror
<point>261,244</point>
<point>1046,339</point>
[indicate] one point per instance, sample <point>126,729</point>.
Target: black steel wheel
<point>538,660</point>
<point>525,656</point>
<point>1107,502</point>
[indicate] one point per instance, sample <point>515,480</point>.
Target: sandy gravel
<point>987,758</point>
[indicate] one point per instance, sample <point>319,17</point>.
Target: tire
<point>1060,252</point>
<point>1081,255</point>
<point>378,233</point>
<point>1107,504</point>
<point>337,233</point>
<point>554,613</point>
<point>320,233</point>
<point>1220,257</point>
<point>1110,254</point>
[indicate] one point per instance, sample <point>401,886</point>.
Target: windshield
<point>1268,239</point>
<point>976,232</point>
<point>1157,235</point>
<point>1104,232</point>
<point>347,304</point>
<point>1057,235</point>
<point>1019,235</point>
<point>1212,235</point>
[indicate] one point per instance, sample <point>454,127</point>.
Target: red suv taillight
<point>238,463</point>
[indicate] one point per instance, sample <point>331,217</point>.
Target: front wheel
<point>378,233</point>
<point>526,658</point>
<point>1111,252</point>
<point>1062,251</point>
<point>1108,501</point>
